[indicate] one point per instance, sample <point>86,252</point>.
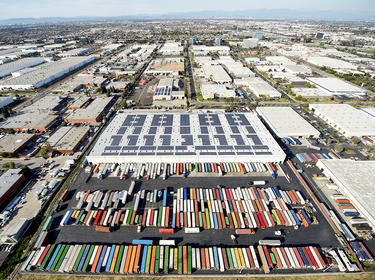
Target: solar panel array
<point>183,134</point>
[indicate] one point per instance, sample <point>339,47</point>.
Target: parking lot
<point>320,234</point>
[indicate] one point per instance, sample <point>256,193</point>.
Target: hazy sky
<point>72,8</point>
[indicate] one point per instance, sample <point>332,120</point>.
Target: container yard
<point>164,257</point>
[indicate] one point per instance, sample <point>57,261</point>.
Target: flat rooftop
<point>347,119</point>
<point>285,122</point>
<point>28,120</point>
<point>9,143</point>
<point>182,137</point>
<point>8,179</point>
<point>7,68</point>
<point>92,111</point>
<point>355,179</point>
<point>336,86</point>
<point>71,139</point>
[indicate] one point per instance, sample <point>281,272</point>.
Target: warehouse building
<point>205,50</point>
<point>166,66</point>
<point>182,137</point>
<point>346,119</point>
<point>79,102</point>
<point>47,103</point>
<point>15,143</point>
<point>285,122</point>
<point>171,48</point>
<point>335,86</point>
<point>311,93</point>
<point>216,73</point>
<point>210,91</point>
<point>356,180</point>
<point>93,113</point>
<point>8,68</point>
<point>250,43</point>
<point>333,63</point>
<point>67,139</point>
<point>75,52</point>
<point>235,68</point>
<point>45,74</point>
<point>10,183</point>
<point>369,111</point>
<point>259,87</point>
<point>29,120</point>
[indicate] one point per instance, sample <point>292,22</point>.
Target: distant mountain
<point>266,14</point>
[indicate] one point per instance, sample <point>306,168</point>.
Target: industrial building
<point>15,143</point>
<point>46,103</point>
<point>181,137</point>
<point>311,93</point>
<point>204,50</point>
<point>8,68</point>
<point>28,120</point>
<point>285,122</point>
<point>75,52</point>
<point>216,73</point>
<point>93,113</point>
<point>5,101</point>
<point>259,87</point>
<point>210,91</point>
<point>171,48</point>
<point>335,86</point>
<point>355,179</point>
<point>10,183</point>
<point>235,68</point>
<point>166,90</point>
<point>250,43</point>
<point>346,119</point>
<point>79,102</point>
<point>369,111</point>
<point>333,63</point>
<point>80,81</point>
<point>67,139</point>
<point>166,66</point>
<point>45,74</point>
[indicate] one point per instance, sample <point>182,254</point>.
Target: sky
<point>105,8</point>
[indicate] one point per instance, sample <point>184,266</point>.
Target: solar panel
<point>205,139</point>
<point>139,120</point>
<point>128,154</point>
<point>132,140</point>
<point>164,154</point>
<point>122,130</point>
<point>245,153</point>
<point>137,130</point>
<point>166,140</point>
<point>112,148</point>
<point>109,154</point>
<point>185,120</point>
<point>263,153</point>
<point>130,148</point>
<point>148,148</point>
<point>250,129</point>
<point>224,147</point>
<point>115,140</point>
<point>185,153</point>
<point>152,130</point>
<point>181,147</point>
<point>219,130</point>
<point>235,129</point>
<point>146,153</point>
<point>221,153</point>
<point>222,139</point>
<point>255,139</point>
<point>263,147</point>
<point>187,140</point>
<point>168,130</point>
<point>149,139</point>
<point>205,147</point>
<point>243,147</point>
<point>161,148</point>
<point>204,129</point>
<point>238,139</point>
<point>185,129</point>
<point>207,153</point>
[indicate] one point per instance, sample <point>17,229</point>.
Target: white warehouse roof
<point>336,86</point>
<point>355,179</point>
<point>46,73</point>
<point>346,119</point>
<point>285,122</point>
<point>330,62</point>
<point>183,137</point>
<point>8,68</point>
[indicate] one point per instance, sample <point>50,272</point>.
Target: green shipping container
<point>119,258</point>
<point>42,266</point>
<point>148,260</point>
<point>157,259</point>
<point>229,258</point>
<point>53,267</point>
<point>179,266</point>
<point>189,260</point>
<point>166,259</point>
<point>76,264</point>
<point>86,263</point>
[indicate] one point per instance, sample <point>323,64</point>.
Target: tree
<point>25,170</point>
<point>356,140</point>
<point>11,165</point>
<point>44,152</point>
<point>339,148</point>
